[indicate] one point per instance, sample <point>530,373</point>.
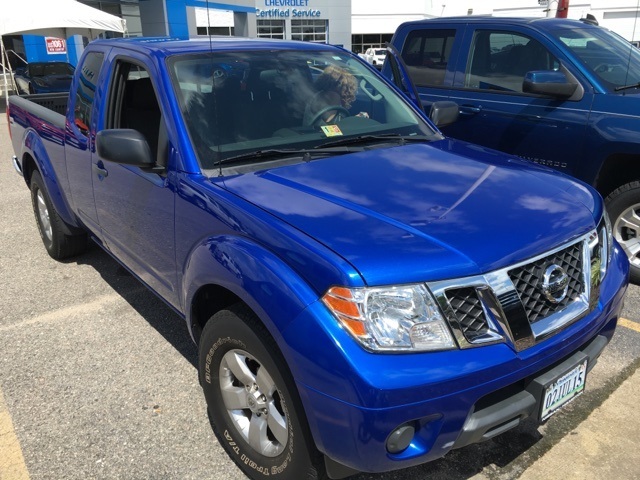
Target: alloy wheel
<point>253,402</point>
<point>626,231</point>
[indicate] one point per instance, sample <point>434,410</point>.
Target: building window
<point>309,30</point>
<point>127,9</point>
<point>131,13</point>
<point>224,31</point>
<point>360,43</point>
<point>271,29</point>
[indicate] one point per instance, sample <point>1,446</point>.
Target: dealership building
<point>353,24</point>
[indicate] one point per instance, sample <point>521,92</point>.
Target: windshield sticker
<point>331,130</point>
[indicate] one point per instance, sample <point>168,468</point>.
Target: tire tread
<point>62,245</point>
<point>242,313</point>
<point>617,202</point>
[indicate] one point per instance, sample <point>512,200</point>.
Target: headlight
<point>39,82</point>
<point>608,235</point>
<point>602,250</point>
<point>402,318</point>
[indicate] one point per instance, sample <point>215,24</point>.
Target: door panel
<point>136,215</point>
<point>135,207</point>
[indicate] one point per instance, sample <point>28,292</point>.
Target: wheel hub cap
<point>257,401</point>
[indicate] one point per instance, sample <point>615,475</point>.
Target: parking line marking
<point>629,324</point>
<point>12,466</point>
<point>66,312</point>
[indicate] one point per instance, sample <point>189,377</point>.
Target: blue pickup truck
<point>365,293</point>
<point>556,92</point>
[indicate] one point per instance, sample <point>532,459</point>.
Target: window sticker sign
<point>331,130</point>
<point>55,45</point>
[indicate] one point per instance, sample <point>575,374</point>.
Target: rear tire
<point>252,401</point>
<point>59,245</point>
<point>623,206</point>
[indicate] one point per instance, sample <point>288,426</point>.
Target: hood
<point>424,212</point>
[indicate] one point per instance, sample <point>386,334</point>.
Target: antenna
<point>209,28</point>
<point>631,47</point>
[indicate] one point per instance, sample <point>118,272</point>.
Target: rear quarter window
<point>426,53</point>
<point>85,91</point>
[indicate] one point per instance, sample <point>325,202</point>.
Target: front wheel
<point>58,243</point>
<point>253,406</point>
<point>623,206</point>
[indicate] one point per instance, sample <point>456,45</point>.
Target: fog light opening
<point>400,438</point>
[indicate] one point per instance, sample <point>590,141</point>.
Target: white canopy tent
<point>59,18</point>
<point>55,18</point>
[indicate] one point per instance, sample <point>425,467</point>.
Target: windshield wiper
<point>401,139</point>
<point>306,155</point>
<point>627,87</point>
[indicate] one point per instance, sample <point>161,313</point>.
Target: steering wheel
<point>607,67</point>
<point>338,108</point>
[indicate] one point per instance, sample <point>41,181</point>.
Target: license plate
<point>564,389</point>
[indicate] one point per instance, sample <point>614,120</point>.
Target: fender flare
<point>34,148</point>
<point>258,277</point>
<point>615,137</point>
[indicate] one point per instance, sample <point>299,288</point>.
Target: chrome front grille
<point>528,280</point>
<point>469,313</point>
<point>523,303</point>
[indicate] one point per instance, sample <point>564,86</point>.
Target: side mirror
<point>124,146</point>
<point>551,83</point>
<point>444,113</point>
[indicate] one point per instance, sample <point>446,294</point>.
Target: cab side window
<point>86,90</point>
<point>426,54</point>
<point>135,105</point>
<point>499,60</point>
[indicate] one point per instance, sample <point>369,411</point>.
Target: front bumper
<point>502,415</point>
<point>354,399</point>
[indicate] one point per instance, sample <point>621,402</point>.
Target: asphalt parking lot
<point>97,376</point>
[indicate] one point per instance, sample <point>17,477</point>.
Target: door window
<point>426,54</point>
<point>135,105</point>
<point>499,60</point>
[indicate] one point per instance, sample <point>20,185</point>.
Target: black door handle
<point>470,109</point>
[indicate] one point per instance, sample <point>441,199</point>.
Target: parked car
<point>44,77</point>
<point>366,294</point>
<point>375,56</point>
<point>555,92</point>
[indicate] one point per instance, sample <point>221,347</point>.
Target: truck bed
<point>50,107</point>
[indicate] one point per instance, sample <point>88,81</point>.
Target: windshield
<point>235,103</point>
<point>611,58</point>
<point>44,69</point>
